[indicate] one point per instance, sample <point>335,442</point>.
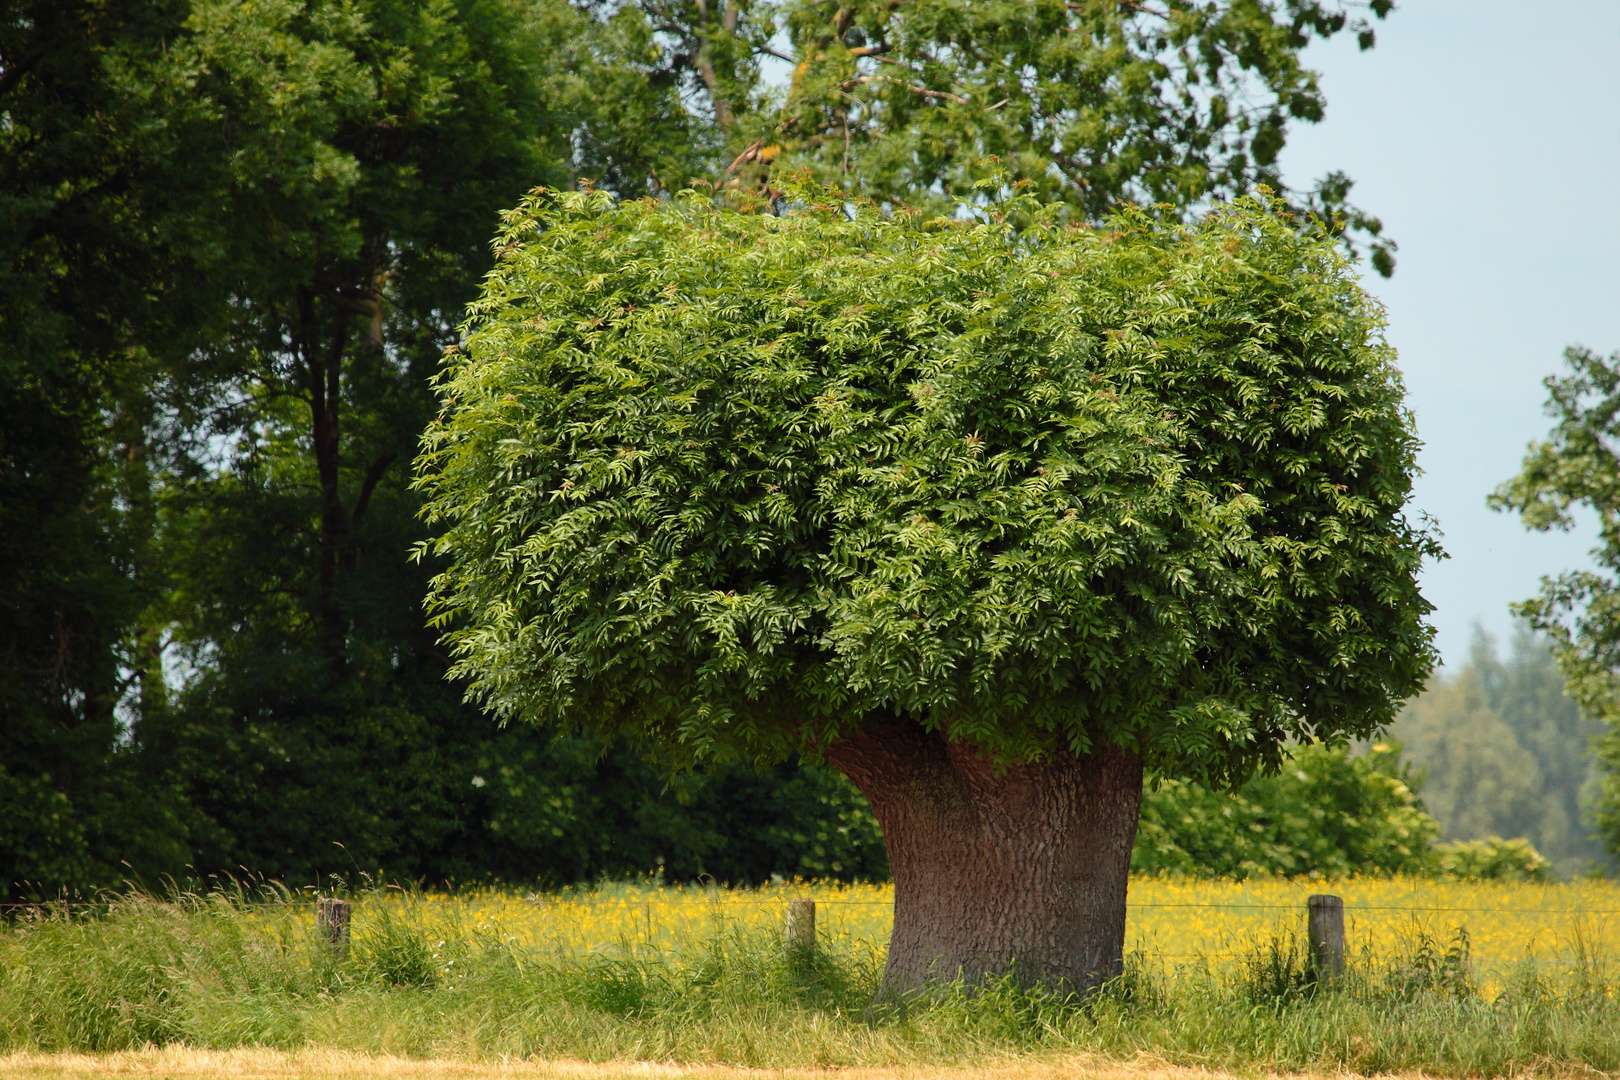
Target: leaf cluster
<point>739,482</point>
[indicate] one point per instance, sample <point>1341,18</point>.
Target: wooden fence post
<point>332,923</point>
<point>1324,930</point>
<point>800,931</point>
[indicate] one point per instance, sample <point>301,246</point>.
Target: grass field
<point>1445,979</point>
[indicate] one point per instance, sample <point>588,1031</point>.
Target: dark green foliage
<point>805,822</point>
<point>559,813</point>
<point>63,601</point>
<point>1579,610</point>
<point>1325,812</point>
<point>738,481</point>
<point>99,307</point>
<point>462,801</point>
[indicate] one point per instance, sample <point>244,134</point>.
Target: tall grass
<point>215,972</point>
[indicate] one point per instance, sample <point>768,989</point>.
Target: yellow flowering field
<point>670,919</point>
<point>1507,922</point>
<point>1171,922</point>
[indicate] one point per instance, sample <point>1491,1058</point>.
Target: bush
<point>1492,859</point>
<point>1325,812</point>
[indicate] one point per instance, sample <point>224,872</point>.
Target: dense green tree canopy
<point>741,481</point>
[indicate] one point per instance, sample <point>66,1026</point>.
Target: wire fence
<point>312,899</point>
<point>1166,920</point>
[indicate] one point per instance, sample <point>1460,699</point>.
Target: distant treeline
<point>1504,752</point>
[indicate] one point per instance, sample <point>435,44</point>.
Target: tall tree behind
<point>1085,102</point>
<point>382,140</point>
<point>241,234</point>
<point>372,147</point>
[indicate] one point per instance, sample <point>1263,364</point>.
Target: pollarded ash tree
<point>993,518</point>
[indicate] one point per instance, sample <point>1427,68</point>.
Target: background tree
<point>1090,104</point>
<point>1580,609</point>
<point>237,225</point>
<point>356,240</point>
<point>991,519</point>
<point>369,148</point>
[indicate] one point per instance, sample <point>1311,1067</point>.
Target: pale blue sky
<point>1486,135</point>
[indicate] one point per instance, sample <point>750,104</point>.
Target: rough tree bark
<point>1020,868</point>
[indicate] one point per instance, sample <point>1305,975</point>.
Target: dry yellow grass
<point>184,1063</point>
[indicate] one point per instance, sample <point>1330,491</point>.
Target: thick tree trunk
<point>1021,868</point>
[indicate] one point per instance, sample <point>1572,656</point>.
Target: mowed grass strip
<point>187,1063</point>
